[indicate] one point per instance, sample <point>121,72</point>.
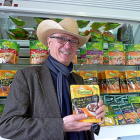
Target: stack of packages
<point>38,52</point>
<point>121,110</point>
<point>6,78</point>
<point>9,52</point>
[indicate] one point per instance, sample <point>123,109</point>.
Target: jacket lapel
<point>47,86</point>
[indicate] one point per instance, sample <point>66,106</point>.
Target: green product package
<point>36,44</point>
<point>17,21</point>
<point>8,44</point>
<point>38,20</point>
<point>19,32</point>
<point>116,47</point>
<point>110,26</point>
<point>134,99</point>
<point>98,46</point>
<point>1,109</point>
<point>105,57</point>
<point>82,23</point>
<point>97,25</point>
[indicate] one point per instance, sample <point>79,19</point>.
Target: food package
<point>97,25</point>
<point>133,54</point>
<point>123,83</point>
<point>85,100</point>
<point>18,22</point>
<point>118,112</point>
<point>110,26</point>
<point>102,82</point>
<point>136,107</point>
<point>133,81</point>
<point>134,99</point>
<point>6,78</point>
<point>116,54</point>
<point>83,55</point>
<point>108,37</point>
<point>94,53</point>
<point>90,77</point>
<point>112,80</point>
<point>8,51</point>
<point>1,109</point>
<point>74,61</point>
<point>38,52</point>
<point>129,113</point>
<point>82,23</point>
<point>105,57</point>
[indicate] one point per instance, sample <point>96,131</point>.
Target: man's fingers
<point>101,115</point>
<point>80,117</point>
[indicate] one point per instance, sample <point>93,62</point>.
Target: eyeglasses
<point>64,40</point>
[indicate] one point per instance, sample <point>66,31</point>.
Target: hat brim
<point>44,33</point>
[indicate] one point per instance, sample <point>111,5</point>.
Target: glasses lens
<point>74,43</point>
<point>62,40</point>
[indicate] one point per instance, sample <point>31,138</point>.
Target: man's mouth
<point>65,52</point>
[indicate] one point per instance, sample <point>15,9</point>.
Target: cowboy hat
<point>66,26</point>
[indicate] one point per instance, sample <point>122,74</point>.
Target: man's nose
<point>67,44</point>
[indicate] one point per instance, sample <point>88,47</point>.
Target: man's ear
<point>48,41</point>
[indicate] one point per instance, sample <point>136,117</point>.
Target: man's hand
<point>71,123</point>
<point>100,113</point>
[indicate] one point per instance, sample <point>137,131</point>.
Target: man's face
<point>62,53</point>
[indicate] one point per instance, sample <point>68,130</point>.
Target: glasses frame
<point>58,37</point>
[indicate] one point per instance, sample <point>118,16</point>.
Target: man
<point>38,106</point>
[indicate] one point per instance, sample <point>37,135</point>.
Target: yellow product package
<point>6,78</point>
<point>90,77</point>
<point>85,100</point>
<point>112,79</point>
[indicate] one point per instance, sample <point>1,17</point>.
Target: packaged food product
<point>18,22</point>
<point>104,85</point>
<point>8,51</point>
<point>108,37</point>
<point>105,57</point>
<point>6,78</point>
<point>38,52</point>
<point>118,112</point>
<point>112,80</point>
<point>134,99</point>
<point>94,53</point>
<point>123,83</point>
<point>82,23</point>
<point>74,61</point>
<point>110,26</point>
<point>136,107</point>
<point>129,113</point>
<point>90,77</point>
<point>109,99</point>
<point>38,20</point>
<point>116,54</point>
<point>96,33</point>
<point>97,25</point>
<point>85,100</point>
<point>1,109</point>
<point>133,81</point>
<point>83,55</point>
<point>133,54</point>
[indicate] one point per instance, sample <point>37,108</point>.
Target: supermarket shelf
<point>118,131</point>
<point>120,93</point>
<point>89,67</point>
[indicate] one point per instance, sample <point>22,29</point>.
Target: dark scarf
<point>62,72</point>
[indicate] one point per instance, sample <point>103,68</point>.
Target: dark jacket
<point>32,111</point>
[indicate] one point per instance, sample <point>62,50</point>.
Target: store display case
<point>93,11</point>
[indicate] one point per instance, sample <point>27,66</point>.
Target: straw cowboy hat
<point>66,26</point>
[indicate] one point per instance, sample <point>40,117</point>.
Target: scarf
<point>62,72</point>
